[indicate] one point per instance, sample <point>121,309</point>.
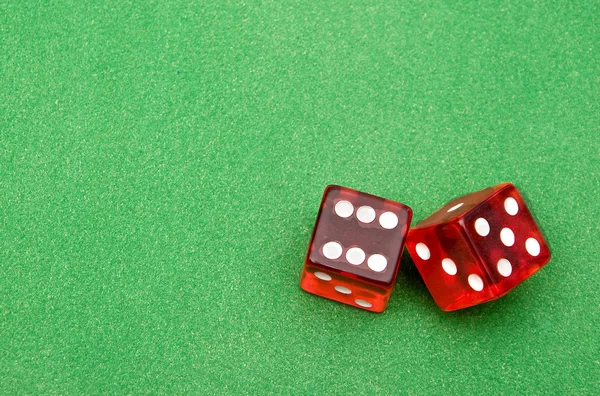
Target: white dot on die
<point>388,220</point>
<point>452,209</point>
<point>363,303</point>
<point>507,237</point>
<point>365,214</point>
<point>355,256</point>
<point>343,290</point>
<point>504,267</point>
<point>511,206</point>
<point>532,246</point>
<point>344,209</point>
<point>482,226</point>
<point>323,276</point>
<point>423,251</point>
<point>377,262</point>
<point>475,282</point>
<point>449,266</point>
<point>332,250</point>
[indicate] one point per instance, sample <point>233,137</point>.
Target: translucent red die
<point>355,249</point>
<point>477,247</point>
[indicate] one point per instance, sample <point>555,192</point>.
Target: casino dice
<point>355,249</point>
<point>478,247</point>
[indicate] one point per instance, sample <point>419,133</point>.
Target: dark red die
<point>355,250</point>
<point>478,247</point>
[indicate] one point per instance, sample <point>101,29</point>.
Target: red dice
<point>355,249</point>
<point>478,247</point>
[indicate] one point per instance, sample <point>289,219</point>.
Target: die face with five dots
<point>477,247</point>
<point>355,249</point>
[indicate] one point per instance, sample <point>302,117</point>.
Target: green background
<point>162,162</point>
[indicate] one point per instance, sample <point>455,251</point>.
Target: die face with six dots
<point>478,247</point>
<point>355,249</point>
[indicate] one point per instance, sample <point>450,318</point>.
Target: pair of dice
<point>474,249</point>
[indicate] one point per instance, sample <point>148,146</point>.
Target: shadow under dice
<point>355,249</point>
<point>478,247</point>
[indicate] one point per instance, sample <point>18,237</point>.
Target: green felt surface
<point>162,162</point>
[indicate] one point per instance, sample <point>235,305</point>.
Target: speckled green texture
<point>162,162</point>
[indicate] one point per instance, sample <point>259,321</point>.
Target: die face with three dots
<point>355,249</point>
<point>478,247</point>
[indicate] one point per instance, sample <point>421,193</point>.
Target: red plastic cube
<point>355,249</point>
<point>478,247</point>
